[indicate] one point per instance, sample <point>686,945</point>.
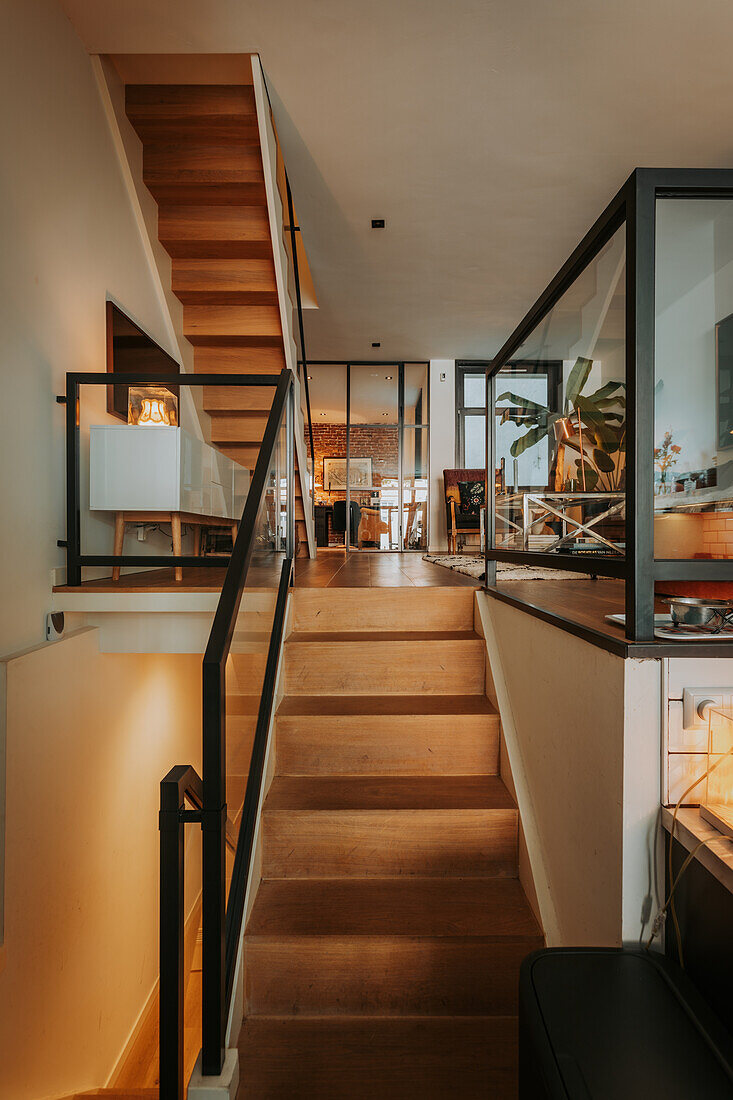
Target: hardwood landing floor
<point>331,569</point>
<point>359,569</point>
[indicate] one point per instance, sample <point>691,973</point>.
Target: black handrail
<point>214,999</point>
<point>243,854</point>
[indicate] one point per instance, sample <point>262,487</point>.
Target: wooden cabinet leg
<point>197,541</point>
<point>177,542</point>
<point>118,542</point>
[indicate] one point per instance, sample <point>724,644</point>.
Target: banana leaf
<point>591,414</point>
<point>603,461</point>
<point>578,378</point>
<point>591,474</point>
<point>522,402</point>
<point>605,391</point>
<point>533,436</point>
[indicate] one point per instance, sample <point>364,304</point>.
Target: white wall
<point>70,239</point>
<point>89,737</point>
<point>584,751</point>
<point>694,273</point>
<point>442,444</point>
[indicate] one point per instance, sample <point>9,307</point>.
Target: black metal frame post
<point>181,783</point>
<point>490,491</point>
<point>73,515</point>
<point>639,589</point>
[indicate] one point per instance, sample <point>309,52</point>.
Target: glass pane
<point>474,440</point>
<point>561,421</point>
<point>693,437</point>
<point>150,485</point>
<point>245,668</point>
<point>374,392</point>
<point>415,489</point>
<point>416,393</point>
<point>474,391</point>
<point>328,411</point>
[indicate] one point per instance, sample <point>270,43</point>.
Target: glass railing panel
<point>693,436</point>
<point>151,486</point>
<point>560,426</point>
<point>245,668</point>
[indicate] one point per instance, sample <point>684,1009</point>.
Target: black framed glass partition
<point>371,438</point>
<point>611,404</point>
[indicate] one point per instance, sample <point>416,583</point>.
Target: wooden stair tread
<point>488,907</point>
<point>187,100</point>
<point>385,704</point>
<point>393,793</point>
<point>395,1058</point>
<point>379,637</point>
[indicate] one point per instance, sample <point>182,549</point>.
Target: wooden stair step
<point>193,162</point>
<point>393,1058</point>
<point>238,429</point>
<point>212,232</point>
<point>232,320</point>
<point>431,792</point>
<point>434,663</point>
<point>204,193</point>
<point>392,907</point>
<point>230,358</point>
<point>238,398</point>
<point>383,843</point>
<point>223,276</point>
<point>384,975</point>
<point>383,744</point>
<point>205,101</point>
<point>342,609</point>
<point>346,705</point>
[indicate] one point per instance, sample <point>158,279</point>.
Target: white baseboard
<point>223,1087</point>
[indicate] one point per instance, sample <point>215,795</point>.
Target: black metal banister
<point>243,855</point>
<point>181,784</point>
<point>214,1002</point>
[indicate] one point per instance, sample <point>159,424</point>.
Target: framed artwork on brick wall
<point>334,473</point>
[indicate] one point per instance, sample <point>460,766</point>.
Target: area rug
<point>472,566</point>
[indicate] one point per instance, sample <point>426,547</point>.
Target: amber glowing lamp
<point>717,805</point>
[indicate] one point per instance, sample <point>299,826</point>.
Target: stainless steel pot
<point>692,611</point>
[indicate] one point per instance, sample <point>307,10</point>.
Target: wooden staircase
<point>202,164</point>
<point>383,947</point>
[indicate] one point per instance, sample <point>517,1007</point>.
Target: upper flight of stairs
<point>202,164</point>
<point>383,947</point>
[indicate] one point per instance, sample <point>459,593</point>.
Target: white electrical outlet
<point>695,702</point>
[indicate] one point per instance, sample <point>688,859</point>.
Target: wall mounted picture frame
<point>334,474</point>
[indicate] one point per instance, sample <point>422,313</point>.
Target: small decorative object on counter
<point>152,406</point>
<point>665,456</point>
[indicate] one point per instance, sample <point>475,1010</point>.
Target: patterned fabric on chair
<point>459,522</point>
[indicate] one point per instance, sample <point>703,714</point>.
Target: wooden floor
<point>582,600</point>
<point>339,569</point>
<point>332,568</point>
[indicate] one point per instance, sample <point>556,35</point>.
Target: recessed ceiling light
<point>377,223</point>
<point>377,344</point>
<point>322,414</point>
<point>310,377</point>
<point>388,377</point>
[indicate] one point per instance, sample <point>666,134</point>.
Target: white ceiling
<point>488,133</point>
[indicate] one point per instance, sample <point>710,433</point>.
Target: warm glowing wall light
<point>152,406</point>
<point>717,805</point>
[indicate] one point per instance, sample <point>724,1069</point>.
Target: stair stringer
<point>269,153</point>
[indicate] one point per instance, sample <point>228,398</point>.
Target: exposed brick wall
<point>379,444</point>
<point>717,534</point>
